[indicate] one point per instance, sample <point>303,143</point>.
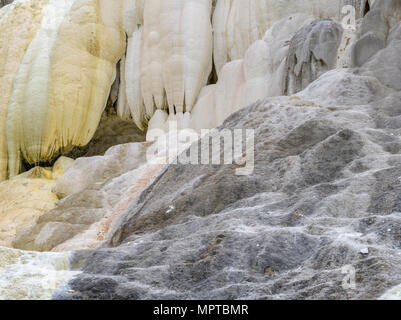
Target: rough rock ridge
<point>323,198</point>
<point>326,186</point>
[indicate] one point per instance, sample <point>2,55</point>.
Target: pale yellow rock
<point>60,166</point>
<point>57,65</point>
<point>19,23</point>
<point>26,197</point>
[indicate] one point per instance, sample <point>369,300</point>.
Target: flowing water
<point>392,294</point>
<point>32,275</point>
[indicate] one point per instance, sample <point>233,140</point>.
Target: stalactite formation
<point>58,65</point>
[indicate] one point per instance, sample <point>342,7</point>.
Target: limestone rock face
<point>52,99</point>
<point>324,188</point>
<point>169,58</point>
<point>170,76</point>
<point>238,24</point>
<point>321,201</point>
<point>58,63</point>
<point>292,54</point>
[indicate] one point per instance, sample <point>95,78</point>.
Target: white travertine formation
<point>58,63</point>
<point>133,79</point>
<point>239,23</point>
<point>251,43</point>
<point>169,57</point>
<point>259,75</point>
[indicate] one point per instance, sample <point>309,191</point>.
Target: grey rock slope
<point>324,199</point>
<point>326,186</point>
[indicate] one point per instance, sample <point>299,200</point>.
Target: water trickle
<point>26,275</point>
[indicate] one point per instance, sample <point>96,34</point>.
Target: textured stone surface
<point>376,26</point>
<point>324,198</point>
<point>312,52</point>
<point>325,187</point>
<point>27,197</point>
<point>94,192</point>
